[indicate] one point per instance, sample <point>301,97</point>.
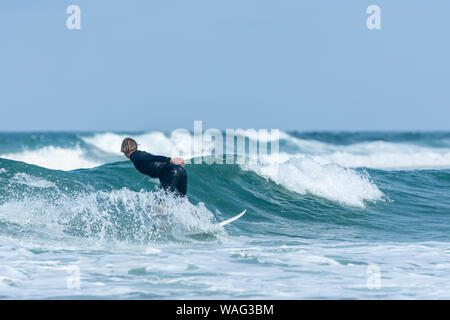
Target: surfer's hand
<point>177,161</point>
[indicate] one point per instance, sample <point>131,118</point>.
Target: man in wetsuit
<point>170,172</point>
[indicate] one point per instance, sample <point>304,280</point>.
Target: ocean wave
<point>310,214</point>
<point>95,149</point>
<point>371,154</point>
<point>327,170</point>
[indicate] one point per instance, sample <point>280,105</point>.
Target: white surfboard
<point>225,222</point>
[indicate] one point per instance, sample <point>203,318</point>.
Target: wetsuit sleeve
<point>154,158</point>
<point>148,163</point>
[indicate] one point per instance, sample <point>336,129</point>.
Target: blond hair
<point>128,145</point>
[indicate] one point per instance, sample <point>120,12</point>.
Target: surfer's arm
<point>177,161</point>
<point>154,158</point>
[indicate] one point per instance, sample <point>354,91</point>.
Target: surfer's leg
<point>174,177</point>
<point>182,183</point>
<point>168,179</point>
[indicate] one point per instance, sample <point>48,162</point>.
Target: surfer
<point>170,172</point>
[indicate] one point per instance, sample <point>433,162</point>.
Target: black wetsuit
<point>172,177</point>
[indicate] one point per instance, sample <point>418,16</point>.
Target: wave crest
<point>303,174</point>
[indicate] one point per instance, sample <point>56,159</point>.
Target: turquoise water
<point>336,215</point>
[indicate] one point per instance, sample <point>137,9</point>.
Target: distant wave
<point>376,154</point>
<point>91,150</point>
<point>371,154</point>
<point>156,142</point>
<point>54,157</point>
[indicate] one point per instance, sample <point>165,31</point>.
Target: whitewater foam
<point>107,215</point>
<point>375,154</point>
<point>303,174</point>
<point>52,157</point>
<point>32,181</point>
<point>125,214</point>
<point>389,156</point>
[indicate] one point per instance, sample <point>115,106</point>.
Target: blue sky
<point>289,64</point>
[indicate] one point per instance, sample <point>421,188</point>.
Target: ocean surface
<point>337,215</point>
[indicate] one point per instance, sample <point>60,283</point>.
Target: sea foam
<point>52,157</point>
<point>108,215</point>
<point>32,181</point>
<point>303,174</point>
<point>374,154</point>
